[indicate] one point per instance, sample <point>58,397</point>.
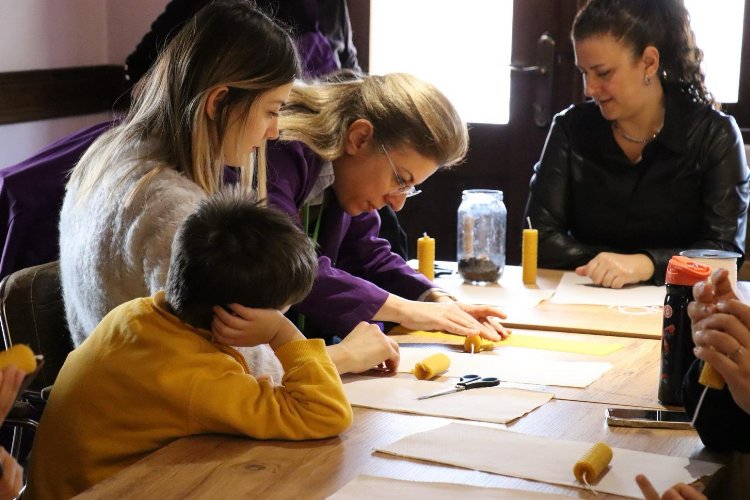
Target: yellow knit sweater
<point>144,378</point>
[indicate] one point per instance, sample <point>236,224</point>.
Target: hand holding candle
<point>529,254</point>
<point>426,256</point>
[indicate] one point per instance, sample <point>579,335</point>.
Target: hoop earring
<point>646,80</point>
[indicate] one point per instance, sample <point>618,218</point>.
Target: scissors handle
<point>480,382</point>
<point>466,382</point>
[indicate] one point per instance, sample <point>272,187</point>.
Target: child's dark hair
<point>231,250</point>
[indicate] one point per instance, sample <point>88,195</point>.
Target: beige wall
<point>45,34</point>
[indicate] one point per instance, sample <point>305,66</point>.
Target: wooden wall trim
<point>53,93</point>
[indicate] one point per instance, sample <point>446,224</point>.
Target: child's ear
<point>214,99</point>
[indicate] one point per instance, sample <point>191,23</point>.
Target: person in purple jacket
<point>348,148</point>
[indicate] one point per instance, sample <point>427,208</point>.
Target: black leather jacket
<point>690,190</point>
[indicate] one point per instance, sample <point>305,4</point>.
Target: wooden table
<point>231,467</point>
<point>633,380</point>
<point>215,467</point>
<point>512,294</point>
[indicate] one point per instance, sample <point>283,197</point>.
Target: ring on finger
<point>740,350</point>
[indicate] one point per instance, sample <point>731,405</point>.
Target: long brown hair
<point>664,24</point>
<point>227,43</point>
<point>404,111</point>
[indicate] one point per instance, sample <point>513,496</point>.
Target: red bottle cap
<point>684,271</point>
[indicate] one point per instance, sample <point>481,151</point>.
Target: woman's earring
<point>647,80</point>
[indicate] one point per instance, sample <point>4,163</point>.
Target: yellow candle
<point>426,256</point>
<point>19,355</point>
<point>710,377</point>
<point>529,255</point>
<point>473,344</point>
<point>593,463</point>
<point>431,366</point>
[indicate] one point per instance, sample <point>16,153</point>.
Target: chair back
<point>32,312</point>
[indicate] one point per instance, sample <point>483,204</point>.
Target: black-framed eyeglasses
<point>403,188</point>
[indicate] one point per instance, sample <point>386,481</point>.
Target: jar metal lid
<point>708,253</point>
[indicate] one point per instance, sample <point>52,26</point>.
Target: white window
<point>718,32</point>
<point>463,48</point>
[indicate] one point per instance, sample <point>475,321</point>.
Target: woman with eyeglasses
<point>346,149</point>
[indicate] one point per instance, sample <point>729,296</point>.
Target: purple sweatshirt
<point>356,268</point>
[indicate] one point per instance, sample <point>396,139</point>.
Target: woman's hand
<point>679,491</point>
<point>489,317</point>
<point>708,293</point>
<point>247,327</point>
<point>364,348</point>
<point>10,382</point>
<point>445,315</point>
<point>615,270</point>
<point>722,339</point>
<point>12,476</point>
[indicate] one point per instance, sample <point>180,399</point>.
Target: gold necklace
<point>630,138</point>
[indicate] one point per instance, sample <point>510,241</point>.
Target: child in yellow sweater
<point>152,371</point>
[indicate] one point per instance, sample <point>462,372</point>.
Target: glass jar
<point>482,221</point>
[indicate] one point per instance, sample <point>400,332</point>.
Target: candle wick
<point>528,220</point>
<point>425,234</point>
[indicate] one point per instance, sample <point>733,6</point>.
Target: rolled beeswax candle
<point>529,255</point>
<point>431,366</point>
<point>426,256</point>
<point>473,344</point>
<point>19,355</point>
<point>710,377</point>
<point>593,463</point>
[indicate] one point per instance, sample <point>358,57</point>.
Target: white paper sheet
<point>543,459</point>
<point>385,488</point>
<point>574,289</point>
<point>493,294</point>
<point>486,404</point>
<point>504,366</point>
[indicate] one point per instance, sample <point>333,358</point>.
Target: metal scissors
<point>465,383</point>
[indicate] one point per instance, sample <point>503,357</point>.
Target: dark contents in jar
<point>478,269</point>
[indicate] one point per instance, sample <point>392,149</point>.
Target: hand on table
<point>10,381</point>
<point>364,348</point>
<point>680,491</point>
<point>615,270</point>
<point>455,317</point>
<point>489,317</point>
<point>12,476</point>
<point>722,339</point>
<point>247,327</point>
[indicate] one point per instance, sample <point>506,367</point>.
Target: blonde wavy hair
<point>227,43</point>
<point>405,112</point>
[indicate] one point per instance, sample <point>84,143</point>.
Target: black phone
<point>659,419</point>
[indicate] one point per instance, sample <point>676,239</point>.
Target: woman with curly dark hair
<point>648,166</point>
